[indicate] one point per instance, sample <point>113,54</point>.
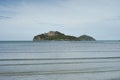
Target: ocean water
<point>60,60</point>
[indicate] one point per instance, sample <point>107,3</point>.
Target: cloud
<point>67,12</point>
<point>5,17</point>
<point>52,24</point>
<point>114,19</point>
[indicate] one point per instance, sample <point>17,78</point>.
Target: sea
<point>60,60</point>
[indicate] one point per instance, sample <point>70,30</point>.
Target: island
<point>56,35</point>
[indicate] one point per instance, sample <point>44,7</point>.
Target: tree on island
<point>55,35</point>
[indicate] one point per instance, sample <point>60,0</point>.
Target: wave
<point>55,72</point>
<point>60,58</point>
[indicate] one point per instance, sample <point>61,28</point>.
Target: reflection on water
<point>60,60</point>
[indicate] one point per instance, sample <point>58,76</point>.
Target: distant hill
<point>55,35</point>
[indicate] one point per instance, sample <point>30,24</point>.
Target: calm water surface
<point>59,60</point>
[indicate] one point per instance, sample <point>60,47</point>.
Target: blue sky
<point>23,19</point>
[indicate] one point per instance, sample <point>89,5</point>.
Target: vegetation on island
<point>86,38</point>
<point>55,35</point>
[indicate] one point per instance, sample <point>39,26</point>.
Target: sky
<point>23,19</point>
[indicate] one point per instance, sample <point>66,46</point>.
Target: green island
<point>56,35</point>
